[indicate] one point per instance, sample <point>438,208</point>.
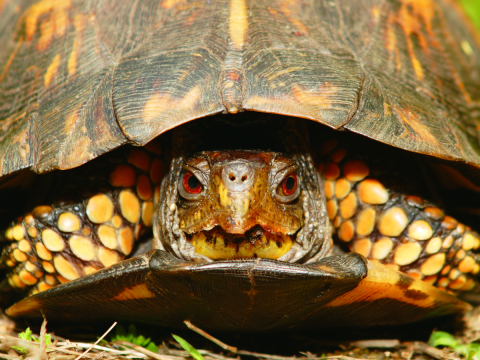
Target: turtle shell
<point>79,78</point>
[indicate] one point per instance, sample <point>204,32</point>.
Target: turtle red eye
<point>289,185</point>
<point>191,184</point>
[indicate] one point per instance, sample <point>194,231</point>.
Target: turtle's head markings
<point>240,204</point>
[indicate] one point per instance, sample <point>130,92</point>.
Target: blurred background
<point>472,8</point>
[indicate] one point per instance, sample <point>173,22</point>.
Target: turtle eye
<point>190,187</point>
<point>191,184</point>
<point>288,189</point>
<point>289,185</point>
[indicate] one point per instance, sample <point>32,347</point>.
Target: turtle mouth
<point>217,244</point>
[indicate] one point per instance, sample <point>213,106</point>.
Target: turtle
<point>246,166</point>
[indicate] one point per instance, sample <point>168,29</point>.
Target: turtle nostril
<point>237,175</point>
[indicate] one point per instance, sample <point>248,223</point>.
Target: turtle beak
<point>236,192</point>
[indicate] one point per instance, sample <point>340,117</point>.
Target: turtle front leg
<point>96,213</point>
<point>375,202</point>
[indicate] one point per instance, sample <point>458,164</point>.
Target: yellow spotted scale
<point>405,232</point>
<point>56,243</point>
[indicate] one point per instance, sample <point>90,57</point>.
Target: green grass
<point>472,7</point>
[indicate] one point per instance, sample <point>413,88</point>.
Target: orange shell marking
<point>382,282</point>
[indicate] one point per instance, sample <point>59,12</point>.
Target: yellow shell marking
<point>238,23</point>
<point>140,291</point>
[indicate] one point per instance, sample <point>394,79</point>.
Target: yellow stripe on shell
<point>238,23</point>
<point>382,282</point>
<point>139,291</point>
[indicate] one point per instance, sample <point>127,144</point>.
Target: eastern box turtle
<point>260,220</point>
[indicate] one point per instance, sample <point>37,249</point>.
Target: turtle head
<point>238,204</point>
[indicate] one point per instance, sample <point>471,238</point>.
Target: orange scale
<point>356,170</point>
<point>434,213</point>
<point>144,189</point>
<point>446,270</point>
<point>157,171</point>
<point>449,223</point>
<point>140,159</point>
<point>415,274</point>
<point>27,278</point>
<point>338,155</point>
<point>346,231</point>
<point>122,176</point>
<point>331,171</point>
<point>430,279</point>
